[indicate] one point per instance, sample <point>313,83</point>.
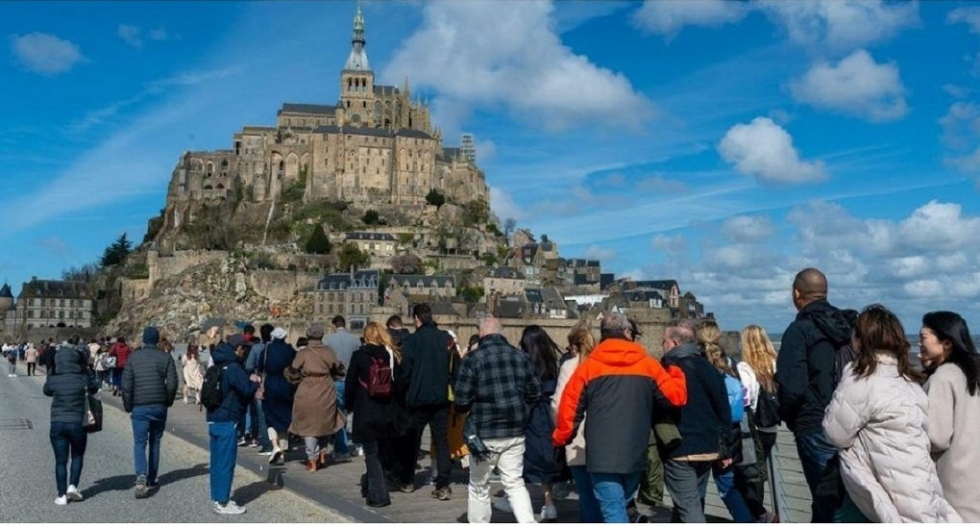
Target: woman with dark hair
<point>540,465</point>
<point>949,356</point>
<point>878,419</point>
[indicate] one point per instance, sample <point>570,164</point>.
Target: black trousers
<point>437,418</point>
<point>751,483</point>
<point>30,369</point>
<point>373,485</point>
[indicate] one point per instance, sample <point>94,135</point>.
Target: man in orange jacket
<point>619,386</point>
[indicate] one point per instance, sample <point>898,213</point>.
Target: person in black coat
<point>378,418</point>
<point>69,388</point>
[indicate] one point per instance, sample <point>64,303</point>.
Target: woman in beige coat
<point>878,419</point>
<point>949,356</point>
<point>315,414</point>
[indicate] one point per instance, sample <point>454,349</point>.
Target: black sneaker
<point>141,489</point>
<point>636,516</point>
<point>442,493</point>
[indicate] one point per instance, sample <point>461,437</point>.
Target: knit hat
<point>151,336</point>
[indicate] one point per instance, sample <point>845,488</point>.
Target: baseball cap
<point>238,340</point>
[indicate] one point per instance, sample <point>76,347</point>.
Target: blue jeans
<point>259,429</point>
<point>340,445</point>
<point>588,506</point>
<point>149,423</point>
<point>223,443</point>
<point>815,453</point>
<point>67,438</point>
<point>725,482</point>
<point>612,491</point>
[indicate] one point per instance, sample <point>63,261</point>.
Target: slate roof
<point>5,292</point>
<point>363,279</point>
<point>507,273</point>
<point>644,295</point>
<point>373,132</point>
<point>510,309</point>
<point>41,288</point>
<point>319,109</point>
<point>548,296</point>
<point>413,280</point>
<point>443,308</point>
<point>369,236</point>
<point>385,90</point>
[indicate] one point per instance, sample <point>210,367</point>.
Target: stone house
<point>377,244</point>
<point>352,295</point>
<point>504,281</point>
<point>52,303</point>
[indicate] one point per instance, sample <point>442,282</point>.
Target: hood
<point>68,360</point>
<point>834,323</point>
<point>618,352</point>
<point>224,354</point>
<point>375,350</point>
<point>684,350</point>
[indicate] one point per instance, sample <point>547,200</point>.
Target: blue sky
<point>723,144</point>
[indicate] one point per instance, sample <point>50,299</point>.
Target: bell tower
<point>357,80</point>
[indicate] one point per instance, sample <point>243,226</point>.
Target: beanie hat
<point>151,336</point>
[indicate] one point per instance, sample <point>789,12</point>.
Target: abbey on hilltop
<point>374,146</point>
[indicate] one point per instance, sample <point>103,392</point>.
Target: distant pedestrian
<point>343,344</point>
<point>68,438</point>
<point>193,374</point>
<point>30,357</point>
<point>495,387</point>
<point>947,352</point>
<point>120,351</point>
<point>11,352</point>
<point>315,414</point>
<point>878,418</point>
<point>149,387</point>
<point>237,389</point>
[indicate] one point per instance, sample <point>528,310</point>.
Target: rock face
<point>179,303</point>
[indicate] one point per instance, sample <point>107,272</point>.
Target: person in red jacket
<point>120,351</point>
<point>620,387</point>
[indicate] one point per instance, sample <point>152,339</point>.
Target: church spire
<point>358,60</point>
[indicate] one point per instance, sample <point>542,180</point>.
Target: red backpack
<point>380,384</point>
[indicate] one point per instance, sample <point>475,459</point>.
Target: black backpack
<point>766,409</point>
<point>212,394</point>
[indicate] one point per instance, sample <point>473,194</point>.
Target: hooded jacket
<point>806,364</point>
<point>620,386</point>
<point>69,388</point>
<point>705,422</point>
<point>236,389</point>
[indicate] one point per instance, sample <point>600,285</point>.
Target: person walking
<point>11,352</point>
<point>343,344</point>
<point>757,370</point>
<point>370,394</point>
<point>427,355</point>
<point>258,427</point>
<point>878,418</point>
<point>805,376</point>
<point>495,386</point>
<point>120,351</point>
<point>620,387</point>
<point>69,389</point>
<point>149,387</point>
<point>193,377</point>
<point>277,392</point>
<point>237,390</point>
<point>949,356</point>
<point>30,358</point>
<point>704,423</point>
<point>315,414</point>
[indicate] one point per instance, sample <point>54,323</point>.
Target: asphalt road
<point>27,485</point>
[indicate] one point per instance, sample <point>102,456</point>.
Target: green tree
<point>435,198</point>
<point>116,253</point>
<point>318,243</point>
<point>371,217</point>
<point>351,256</point>
<point>470,294</point>
<point>476,213</point>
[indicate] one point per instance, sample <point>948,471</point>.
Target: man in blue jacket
<point>237,391</point>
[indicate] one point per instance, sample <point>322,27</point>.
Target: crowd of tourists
<point>878,440</point>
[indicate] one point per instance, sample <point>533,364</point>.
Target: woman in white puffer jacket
<point>878,417</point>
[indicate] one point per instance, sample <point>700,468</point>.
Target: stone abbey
<point>374,146</point>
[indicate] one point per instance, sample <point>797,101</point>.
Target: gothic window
<point>348,104</point>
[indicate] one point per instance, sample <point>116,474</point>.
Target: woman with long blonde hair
<point>757,371</point>
<point>371,396</point>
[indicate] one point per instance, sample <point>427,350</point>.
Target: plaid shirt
<point>496,383</point>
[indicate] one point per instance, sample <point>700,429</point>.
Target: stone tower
<point>6,299</point>
<point>357,81</point>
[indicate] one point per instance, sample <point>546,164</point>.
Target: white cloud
<point>159,34</point>
<point>504,206</point>
<point>967,15</point>
<point>961,135</point>
<point>841,25</point>
<point>600,253</point>
<point>764,150</point>
<point>661,184</point>
<point>748,229</point>
<point>130,35</point>
<point>45,54</point>
<point>485,150</point>
<point>477,54</point>
<point>668,17</point>
<point>856,85</point>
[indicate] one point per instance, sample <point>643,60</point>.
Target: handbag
<point>293,375</point>
<point>92,419</point>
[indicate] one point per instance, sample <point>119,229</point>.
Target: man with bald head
<point>806,375</point>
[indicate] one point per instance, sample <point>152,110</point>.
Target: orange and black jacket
<point>620,387</point>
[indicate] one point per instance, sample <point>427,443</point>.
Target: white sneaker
<point>502,504</point>
<point>228,509</point>
<point>74,495</point>
<point>61,501</point>
<point>549,513</point>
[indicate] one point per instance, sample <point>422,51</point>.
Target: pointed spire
<point>357,60</point>
<point>358,25</point>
